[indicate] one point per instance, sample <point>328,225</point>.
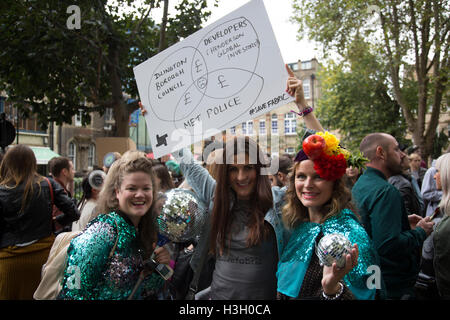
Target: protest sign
<point>224,74</point>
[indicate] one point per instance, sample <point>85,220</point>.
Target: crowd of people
<point>261,231</point>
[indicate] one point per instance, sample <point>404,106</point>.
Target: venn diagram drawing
<point>214,82</point>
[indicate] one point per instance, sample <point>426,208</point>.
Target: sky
<point>279,12</point>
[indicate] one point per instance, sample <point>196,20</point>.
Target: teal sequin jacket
<point>91,275</point>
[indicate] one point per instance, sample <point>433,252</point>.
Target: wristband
<point>336,296</point>
<point>305,111</point>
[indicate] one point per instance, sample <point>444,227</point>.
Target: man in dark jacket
<point>396,237</point>
<point>403,182</point>
<point>63,173</point>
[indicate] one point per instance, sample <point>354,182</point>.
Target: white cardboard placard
<point>224,74</point>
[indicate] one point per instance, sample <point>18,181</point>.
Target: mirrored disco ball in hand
<point>333,247</point>
<point>180,215</point>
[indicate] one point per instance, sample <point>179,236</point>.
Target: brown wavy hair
<point>295,212</point>
<point>19,167</point>
<point>261,202</point>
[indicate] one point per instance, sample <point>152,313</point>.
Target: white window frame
<point>109,114</point>
<point>289,150</point>
<point>79,118</point>
<point>91,155</point>
<point>247,128</point>
<point>306,65</point>
<point>262,127</point>
<point>290,123</point>
<point>72,153</point>
<point>274,120</point>
<point>307,88</point>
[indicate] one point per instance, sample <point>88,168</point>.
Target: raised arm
<point>294,87</point>
<point>197,177</point>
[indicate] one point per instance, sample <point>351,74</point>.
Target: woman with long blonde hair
<point>441,239</point>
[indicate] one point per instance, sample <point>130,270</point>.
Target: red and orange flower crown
<point>330,159</point>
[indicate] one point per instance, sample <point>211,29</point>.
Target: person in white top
<point>88,201</point>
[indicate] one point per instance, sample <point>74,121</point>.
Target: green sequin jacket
<point>91,275</point>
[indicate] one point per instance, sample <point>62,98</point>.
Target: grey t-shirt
<point>245,273</point>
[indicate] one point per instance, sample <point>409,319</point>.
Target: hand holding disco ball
<point>338,257</point>
<point>333,248</point>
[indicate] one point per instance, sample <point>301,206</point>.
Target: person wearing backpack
<point>112,256</point>
<point>26,236</point>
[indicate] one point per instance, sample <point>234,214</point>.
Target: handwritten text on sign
<point>221,76</point>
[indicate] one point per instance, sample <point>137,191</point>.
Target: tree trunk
<point>162,32</point>
<point>121,113</point>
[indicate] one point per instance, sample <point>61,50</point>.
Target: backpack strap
<point>51,190</point>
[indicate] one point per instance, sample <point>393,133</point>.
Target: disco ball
<point>333,247</point>
<point>180,215</point>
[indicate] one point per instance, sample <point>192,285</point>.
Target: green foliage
<point>53,71</point>
<point>357,160</point>
<point>441,142</point>
<point>393,55</point>
<point>356,100</point>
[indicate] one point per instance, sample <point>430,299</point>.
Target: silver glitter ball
<point>180,214</point>
<point>333,247</point>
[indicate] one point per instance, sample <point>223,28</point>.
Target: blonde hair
<point>294,212</point>
<point>130,162</point>
<point>443,165</point>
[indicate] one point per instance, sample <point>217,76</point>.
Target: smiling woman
<point>135,195</point>
<point>243,224</point>
<point>318,203</point>
<point>107,271</point>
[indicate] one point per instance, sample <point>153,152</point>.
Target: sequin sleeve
<point>87,259</point>
<point>152,284</point>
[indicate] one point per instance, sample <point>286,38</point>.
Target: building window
<point>290,123</point>
<point>25,123</point>
<point>289,150</point>
<point>274,123</point>
<point>233,130</point>
<point>293,66</point>
<point>79,118</point>
<point>91,155</point>
<point>306,65</point>
<point>108,114</point>
<point>247,128</point>
<point>72,153</point>
<point>307,88</point>
<point>262,127</point>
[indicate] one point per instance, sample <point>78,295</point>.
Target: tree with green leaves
<point>52,67</point>
<point>355,99</point>
<point>411,40</point>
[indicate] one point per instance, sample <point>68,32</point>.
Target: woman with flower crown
<point>318,203</point>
